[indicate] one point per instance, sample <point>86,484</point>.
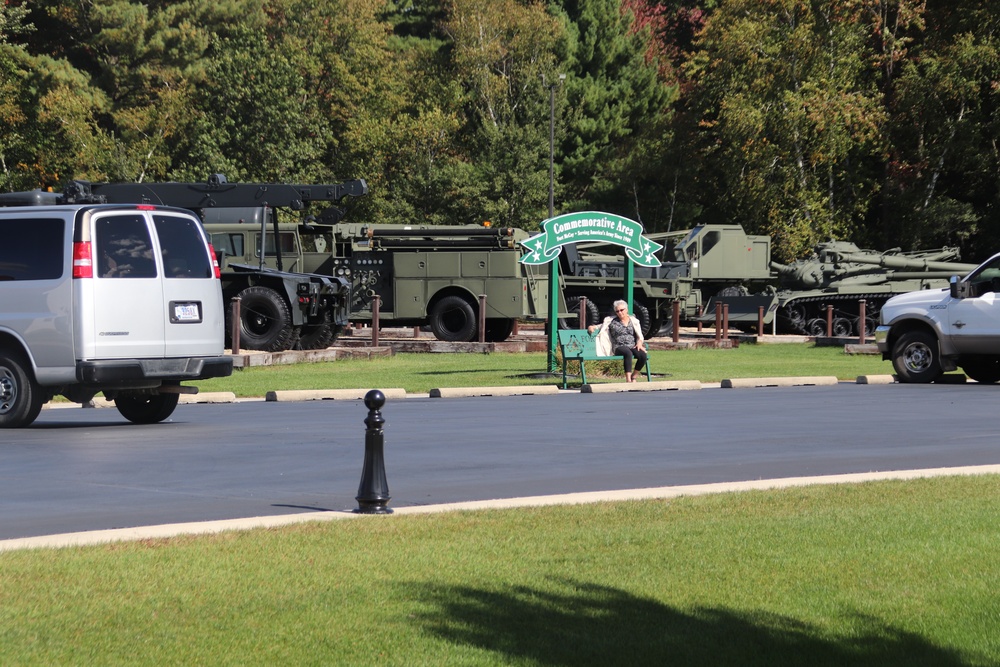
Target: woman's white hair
<point>620,303</point>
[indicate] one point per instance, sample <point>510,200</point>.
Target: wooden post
<point>482,318</point>
<point>676,321</point>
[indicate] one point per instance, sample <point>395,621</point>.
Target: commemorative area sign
<point>593,226</point>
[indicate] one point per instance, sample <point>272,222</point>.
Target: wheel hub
<point>917,358</point>
<point>8,391</point>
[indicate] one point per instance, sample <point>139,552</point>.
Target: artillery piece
<point>840,274</point>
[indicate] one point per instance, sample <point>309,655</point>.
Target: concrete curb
<point>660,493</point>
<point>328,394</point>
<point>465,392</point>
<point>741,383</point>
<point>662,385</point>
<point>876,379</point>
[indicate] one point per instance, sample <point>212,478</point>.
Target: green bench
<point>578,345</point>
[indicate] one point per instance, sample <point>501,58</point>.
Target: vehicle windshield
<point>987,274</point>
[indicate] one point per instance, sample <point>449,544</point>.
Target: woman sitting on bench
<point>621,335</point>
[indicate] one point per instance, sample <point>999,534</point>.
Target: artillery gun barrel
<point>911,263</point>
<point>441,231</point>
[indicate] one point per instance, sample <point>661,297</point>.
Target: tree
<point>942,176</point>
<point>793,118</point>
<point>499,53</point>
<point>615,144</point>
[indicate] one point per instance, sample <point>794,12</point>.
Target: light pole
<point>552,140</point>
<point>554,264</point>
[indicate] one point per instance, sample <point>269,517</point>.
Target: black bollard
<point>373,492</point>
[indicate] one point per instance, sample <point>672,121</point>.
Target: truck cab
<point>929,332</point>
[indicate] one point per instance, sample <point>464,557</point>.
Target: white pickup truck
<point>930,332</point>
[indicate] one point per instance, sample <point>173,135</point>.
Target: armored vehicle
<point>840,274</point>
<point>282,307</point>
<point>707,265</point>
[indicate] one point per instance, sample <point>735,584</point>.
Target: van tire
<point>265,320</point>
<point>21,398</point>
<point>454,319</point>
<point>147,408</point>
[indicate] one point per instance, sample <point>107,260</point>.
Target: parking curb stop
<point>740,383</point>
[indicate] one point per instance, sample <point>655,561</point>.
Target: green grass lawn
<point>423,372</point>
<point>882,574</point>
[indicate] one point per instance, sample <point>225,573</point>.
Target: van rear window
<point>32,248</point>
<point>183,248</point>
<point>124,248</point>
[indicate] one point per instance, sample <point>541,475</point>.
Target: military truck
<point>431,275</point>
<point>281,306</point>
<point>707,265</point>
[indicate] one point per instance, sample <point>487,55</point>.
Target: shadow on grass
<point>588,624</point>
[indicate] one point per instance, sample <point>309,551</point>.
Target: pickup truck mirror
<point>959,289</point>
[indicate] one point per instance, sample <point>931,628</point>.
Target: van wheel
<point>265,320</point>
<point>20,396</point>
<point>454,319</point>
<point>147,408</point>
<point>915,357</point>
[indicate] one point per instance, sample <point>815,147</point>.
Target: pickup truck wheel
<point>20,396</point>
<point>147,408</point>
<point>265,320</point>
<point>916,358</point>
<point>984,369</point>
<point>454,319</point>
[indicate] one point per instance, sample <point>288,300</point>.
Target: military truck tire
<point>498,329</point>
<point>315,337</point>
<point>915,357</point>
<point>453,319</point>
<point>573,306</point>
<point>147,408</point>
<point>21,398</point>
<point>265,320</point>
<point>983,369</point>
<point>642,313</point>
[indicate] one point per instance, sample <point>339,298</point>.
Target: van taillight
<point>83,261</point>
<point>215,261</point>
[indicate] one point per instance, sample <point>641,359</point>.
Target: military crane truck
<point>706,265</point>
<point>282,307</point>
<point>431,275</point>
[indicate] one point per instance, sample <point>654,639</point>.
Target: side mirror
<point>959,289</point>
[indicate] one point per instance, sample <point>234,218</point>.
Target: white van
<point>123,300</point>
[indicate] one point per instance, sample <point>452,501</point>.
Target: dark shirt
<point>622,334</point>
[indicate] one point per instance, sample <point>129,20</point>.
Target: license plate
<point>186,312</point>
